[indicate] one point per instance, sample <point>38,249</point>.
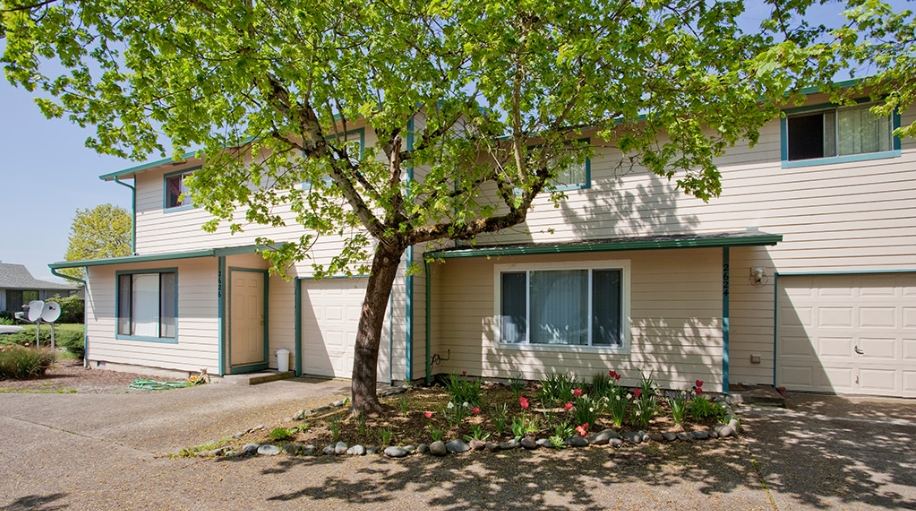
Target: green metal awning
<point>693,240</point>
<point>171,256</point>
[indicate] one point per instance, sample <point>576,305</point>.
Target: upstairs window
<point>176,191</point>
<point>844,132</point>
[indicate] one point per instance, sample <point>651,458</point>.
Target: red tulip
<point>475,410</point>
<point>577,392</point>
<point>524,402</point>
<point>612,373</point>
<point>464,373</point>
<point>582,430</point>
<point>637,392</point>
<point>568,406</point>
<point>616,376</point>
<point>699,391</point>
<point>429,415</point>
<point>699,383</point>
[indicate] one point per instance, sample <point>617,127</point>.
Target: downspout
<point>429,286</point>
<point>725,277</point>
<point>408,376</point>
<point>298,327</point>
<point>133,215</point>
<point>85,313</point>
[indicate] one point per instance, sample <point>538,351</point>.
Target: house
<point>802,274</point>
<point>18,287</point>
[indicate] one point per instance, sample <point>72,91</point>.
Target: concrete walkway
<point>103,451</point>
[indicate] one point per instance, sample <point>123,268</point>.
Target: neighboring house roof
<point>17,276</point>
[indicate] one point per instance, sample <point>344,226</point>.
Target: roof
<point>691,240</point>
<point>17,276</point>
<point>170,256</point>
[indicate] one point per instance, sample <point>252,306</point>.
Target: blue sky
<point>48,173</point>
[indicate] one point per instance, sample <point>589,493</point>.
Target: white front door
<point>847,334</point>
<point>246,317</point>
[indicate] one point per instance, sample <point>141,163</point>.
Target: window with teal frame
<point>147,305</point>
<point>825,134</point>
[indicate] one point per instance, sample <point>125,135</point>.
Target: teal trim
<point>698,242</point>
<point>193,254</point>
<point>408,305</point>
<point>823,107</point>
<point>166,340</point>
<point>133,215</point>
<point>725,317</point>
<point>256,366</point>
<point>813,162</point>
<point>845,84</point>
<point>221,314</point>
<point>775,321</point>
<point>165,191</point>
<point>297,349</point>
<point>85,312</point>
<point>130,172</point>
<point>429,285</point>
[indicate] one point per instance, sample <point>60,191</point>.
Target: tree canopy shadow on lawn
<point>591,478</point>
<point>821,461</point>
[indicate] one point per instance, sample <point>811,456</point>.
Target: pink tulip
<point>577,392</point>
<point>429,415</point>
<point>568,406</point>
<point>524,402</point>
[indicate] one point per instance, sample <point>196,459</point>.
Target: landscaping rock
<point>240,434</point>
<point>713,434</point>
<point>250,448</point>
<point>657,437</point>
<point>686,437</point>
<point>643,435</point>
<point>268,450</point>
<point>292,449</point>
<point>492,446</point>
<point>289,419</point>
<point>328,450</point>
<point>231,454</point>
<point>422,448</point>
<point>309,450</point>
<point>603,437</point>
<point>511,444</point>
<point>726,431</point>
<point>438,448</point>
<point>457,446</point>
<point>701,435</point>
<point>410,449</point>
<point>634,438</point>
<point>356,450</point>
<point>577,441</point>
<point>340,448</point>
<point>337,403</point>
<point>529,443</point>
<point>395,452</point>
<point>372,450</point>
<point>300,415</point>
<point>615,442</point>
<point>734,425</point>
<point>544,442</point>
<point>669,436</point>
<point>477,445</point>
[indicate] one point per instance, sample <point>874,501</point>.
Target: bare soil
<point>69,376</point>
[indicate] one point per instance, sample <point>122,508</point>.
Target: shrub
<point>463,391</point>
<point>69,338</point>
<point>701,408</point>
<point>557,389</point>
<point>587,409</point>
<point>22,363</point>
<point>71,308</point>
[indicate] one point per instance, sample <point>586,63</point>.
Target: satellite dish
<point>50,312</point>
<point>35,309</point>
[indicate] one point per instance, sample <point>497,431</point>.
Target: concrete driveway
<point>830,452</point>
<point>104,451</point>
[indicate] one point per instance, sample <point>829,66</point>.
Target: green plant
<point>455,413</point>
<point>499,415</point>
<point>586,409</point>
<point>617,404</point>
<point>678,405</point>
<point>644,408</point>
<point>334,427</point>
<point>517,385</point>
<point>361,424</point>
<point>602,384</point>
<point>701,408</point>
<point>281,434</point>
<point>519,427</point>
<point>404,404</point>
<point>462,390</point>
<point>24,362</point>
<point>477,433</point>
<point>435,433</point>
<point>385,436</point>
<point>7,321</point>
<point>71,308</point>
<point>647,385</point>
<point>557,389</point>
<point>561,433</point>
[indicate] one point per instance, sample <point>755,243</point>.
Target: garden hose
<point>145,384</point>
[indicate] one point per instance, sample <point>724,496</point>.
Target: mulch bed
<point>69,376</point>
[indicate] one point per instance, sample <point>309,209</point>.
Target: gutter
<point>85,312</point>
<point>133,213</point>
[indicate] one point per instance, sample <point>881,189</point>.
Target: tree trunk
<point>365,361</point>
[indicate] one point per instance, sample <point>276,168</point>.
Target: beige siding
<point>197,345</point>
<point>675,314</point>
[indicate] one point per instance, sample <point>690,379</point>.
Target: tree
<point>98,233</point>
<point>477,105</point>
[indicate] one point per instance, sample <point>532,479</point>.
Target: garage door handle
<point>859,351</point>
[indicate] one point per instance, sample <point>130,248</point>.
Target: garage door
<point>847,334</point>
<point>330,317</point>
